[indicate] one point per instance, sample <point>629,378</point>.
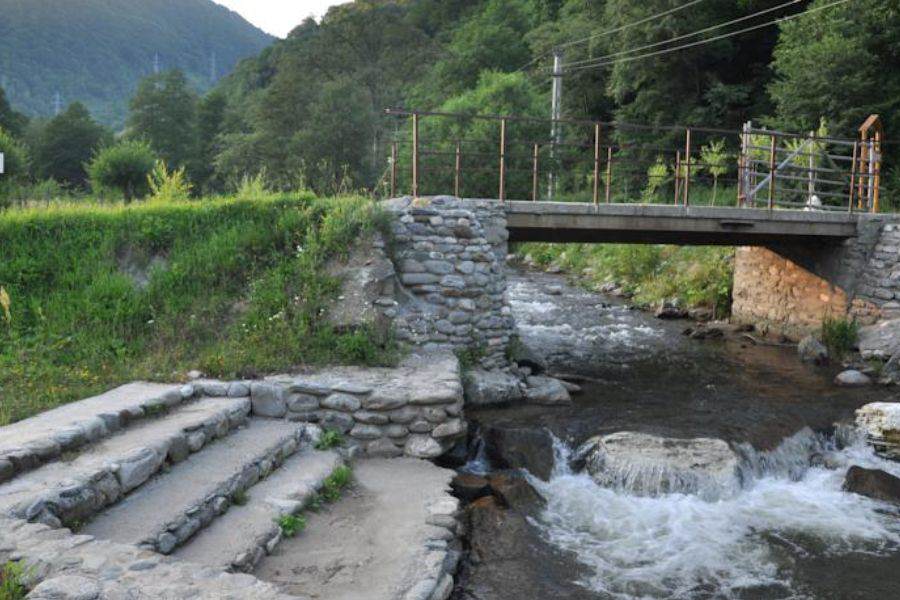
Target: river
<point>787,530</point>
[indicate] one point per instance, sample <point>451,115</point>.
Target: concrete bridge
<point>683,225</point>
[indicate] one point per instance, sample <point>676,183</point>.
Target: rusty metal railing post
<point>677,174</point>
<point>456,169</point>
<point>853,175</point>
<point>394,169</point>
<point>772,172</point>
<point>596,164</point>
<point>687,166</point>
<point>608,171</point>
<point>415,156</point>
<point>502,160</point>
<point>534,172</point>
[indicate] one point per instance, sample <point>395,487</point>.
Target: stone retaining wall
<point>449,255</point>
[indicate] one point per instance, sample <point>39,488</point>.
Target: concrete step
<point>171,507</point>
<point>29,443</point>
<point>240,538</point>
<point>83,481</point>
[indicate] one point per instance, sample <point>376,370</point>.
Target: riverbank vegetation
<point>98,294</point>
<point>694,277</point>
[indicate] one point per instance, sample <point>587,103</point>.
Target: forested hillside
<point>96,51</point>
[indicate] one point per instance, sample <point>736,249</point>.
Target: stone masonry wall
<point>790,290</point>
<point>450,255</point>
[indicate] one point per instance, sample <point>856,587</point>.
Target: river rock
<point>873,483</point>
<point>485,388</point>
<point>890,371</point>
<point>852,378</point>
<point>514,491</point>
<point>881,340</point>
<point>812,350</point>
<point>649,465</point>
<point>546,391</point>
<point>670,309</point>
<point>469,487</point>
<point>881,422</point>
<point>520,448</point>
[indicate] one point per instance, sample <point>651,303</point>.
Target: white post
<point>555,114</point>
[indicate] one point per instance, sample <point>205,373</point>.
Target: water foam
<point>681,546</point>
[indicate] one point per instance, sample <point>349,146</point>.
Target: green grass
<point>839,336</point>
<point>331,438</point>
<point>235,288</point>
<point>291,525</point>
<point>336,482</point>
<point>11,582</point>
<point>696,276</point>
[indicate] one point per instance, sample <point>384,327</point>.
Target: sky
<point>278,17</point>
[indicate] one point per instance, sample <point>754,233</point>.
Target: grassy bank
<point>696,276</point>
<point>99,295</point>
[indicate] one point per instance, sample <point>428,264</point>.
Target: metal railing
<point>508,157</point>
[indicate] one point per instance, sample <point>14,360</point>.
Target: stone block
<point>362,431</point>
<point>267,400</point>
<point>137,467</point>
<point>422,446</point>
<point>342,402</point>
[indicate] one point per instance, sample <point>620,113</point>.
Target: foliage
<point>331,438</point>
<point>11,582</point>
<point>65,144</point>
<point>291,525</point>
<point>657,177</point>
<point>124,168</point>
<point>16,163</point>
<point>12,121</point>
<point>96,51</point>
<point>163,113</point>
<point>101,294</point>
<point>714,158</point>
<point>168,186</point>
<point>839,336</point>
<point>336,482</point>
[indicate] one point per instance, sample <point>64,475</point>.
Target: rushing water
<point>782,529</point>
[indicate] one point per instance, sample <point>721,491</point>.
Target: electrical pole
<point>555,115</point>
<point>156,64</point>
<point>57,104</point>
<point>212,68</point>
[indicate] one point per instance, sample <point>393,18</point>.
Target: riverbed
<point>788,530</point>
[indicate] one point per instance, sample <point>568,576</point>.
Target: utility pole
<point>57,104</point>
<point>555,115</point>
<point>212,68</point>
<point>156,63</point>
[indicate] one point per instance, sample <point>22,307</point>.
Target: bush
<point>168,186</point>
<point>15,166</point>
<point>839,336</point>
<point>124,168</point>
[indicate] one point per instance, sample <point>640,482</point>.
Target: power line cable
<point>684,36</point>
<point>708,40</point>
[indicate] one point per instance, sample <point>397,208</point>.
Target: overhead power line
<point>611,31</point>
<point>684,36</point>
<point>603,63</point>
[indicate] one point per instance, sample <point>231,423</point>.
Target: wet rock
<point>873,483</point>
<point>514,491</point>
<point>553,290</point>
<point>881,422</point>
<point>485,388</point>
<point>469,487</point>
<point>852,378</point>
<point>650,465</point>
<point>890,371</point>
<point>669,309</point>
<point>881,340</point>
<point>704,333</point>
<point>520,448</point>
<point>812,350</point>
<point>546,391</point>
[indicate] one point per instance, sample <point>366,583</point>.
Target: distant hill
<point>95,51</point>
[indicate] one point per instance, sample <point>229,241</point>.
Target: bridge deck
<point>662,224</point>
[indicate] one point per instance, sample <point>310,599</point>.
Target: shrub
<point>839,336</point>
<point>124,168</point>
<point>291,525</point>
<point>168,186</point>
<point>11,585</point>
<point>15,165</point>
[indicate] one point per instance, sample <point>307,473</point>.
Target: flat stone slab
<point>107,455</point>
<point>165,499</point>
<point>881,340</point>
<point>386,539</point>
<point>245,528</point>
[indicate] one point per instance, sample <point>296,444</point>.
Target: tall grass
<point>839,336</point>
<point>102,294</point>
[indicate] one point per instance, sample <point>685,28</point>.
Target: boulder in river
<point>520,448</point>
<point>812,350</point>
<point>650,465</point>
<point>852,378</point>
<point>546,391</point>
<point>515,491</point>
<point>890,371</point>
<point>670,309</point>
<point>486,388</point>
<point>881,340</point>
<point>881,422</point>
<point>470,487</point>
<point>873,483</point>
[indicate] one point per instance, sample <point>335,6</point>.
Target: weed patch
<point>839,336</point>
<point>331,438</point>
<point>12,586</point>
<point>291,525</point>
<point>336,482</point>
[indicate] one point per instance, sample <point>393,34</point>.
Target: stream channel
<point>784,530</point>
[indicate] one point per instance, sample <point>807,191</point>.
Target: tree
<point>840,63</point>
<point>210,124</point>
<point>66,143</point>
<point>124,167</point>
<point>10,120</point>
<point>163,113</point>
<point>715,161</point>
<point>15,161</point>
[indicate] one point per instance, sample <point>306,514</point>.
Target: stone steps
<point>73,489</point>
<point>171,507</point>
<point>241,537</point>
